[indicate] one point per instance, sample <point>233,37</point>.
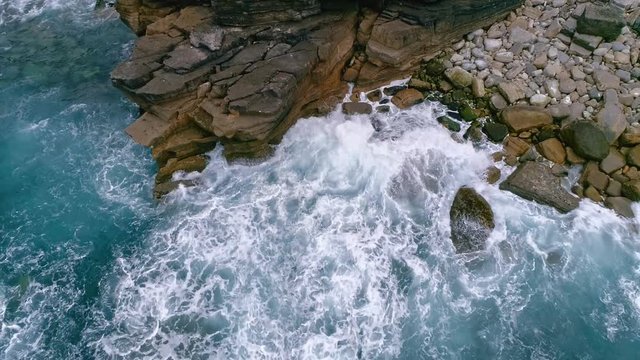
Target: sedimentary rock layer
<point>241,72</point>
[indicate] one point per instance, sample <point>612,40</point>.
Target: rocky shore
<point>557,83</point>
<point>240,73</point>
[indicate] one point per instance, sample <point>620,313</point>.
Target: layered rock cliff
<point>240,73</point>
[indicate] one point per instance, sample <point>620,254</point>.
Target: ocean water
<point>337,247</point>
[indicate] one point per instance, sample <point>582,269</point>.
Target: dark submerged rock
<point>472,221</point>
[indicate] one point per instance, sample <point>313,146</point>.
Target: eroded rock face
<point>535,181</point>
<point>241,72</point>
<point>471,220</point>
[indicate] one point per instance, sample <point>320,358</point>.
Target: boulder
<point>601,20</point>
<point>495,132</point>
<point>633,157</point>
<point>613,162</point>
<point>535,181</point>
<point>354,108</point>
<point>620,205</point>
<point>523,117</point>
<point>472,221</point>
<point>515,146</point>
<point>553,150</point>
<point>613,122</point>
<point>631,190</point>
<point>511,92</point>
<point>407,98</point>
<point>586,139</point>
<point>592,176</point>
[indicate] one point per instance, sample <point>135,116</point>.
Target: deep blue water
<point>336,248</point>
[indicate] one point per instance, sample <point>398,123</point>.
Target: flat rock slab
<point>535,181</point>
<point>148,129</point>
<point>522,117</point>
<point>353,108</point>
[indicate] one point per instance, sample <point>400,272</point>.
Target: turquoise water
<point>335,248</point>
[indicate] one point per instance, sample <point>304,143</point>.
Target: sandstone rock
<point>165,188</point>
<point>586,139</point>
<point>631,190</point>
<point>459,77</point>
<point>594,177</point>
<point>515,146</point>
<point>521,117</point>
<point>472,221</point>
<point>354,108</point>
<point>573,158</point>
<point>492,175</point>
<point>407,98</point>
<point>534,181</point>
<point>613,161</point>
<point>190,164</point>
<point>614,188</point>
<point>249,12</point>
<point>511,92</point>
<point>553,150</point>
<point>620,205</point>
<point>592,193</point>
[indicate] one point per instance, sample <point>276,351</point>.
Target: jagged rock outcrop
<point>241,72</point>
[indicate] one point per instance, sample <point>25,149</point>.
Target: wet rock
<point>621,205</point>
<point>495,132</point>
<point>515,146</point>
<point>633,157</point>
<point>449,123</point>
<point>459,77</point>
<point>165,188</point>
<point>407,98</point>
<point>521,117</point>
<point>586,139</point>
<point>631,190</point>
<point>553,150</point>
<point>492,175</point>
<point>190,164</point>
<point>472,221</point>
<point>593,194</point>
<point>535,181</point>
<point>354,108</point>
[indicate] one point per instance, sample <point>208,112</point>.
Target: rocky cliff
<point>240,73</point>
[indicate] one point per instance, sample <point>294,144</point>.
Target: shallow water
<point>336,248</point>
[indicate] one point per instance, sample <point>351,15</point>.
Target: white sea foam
<point>338,248</point>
